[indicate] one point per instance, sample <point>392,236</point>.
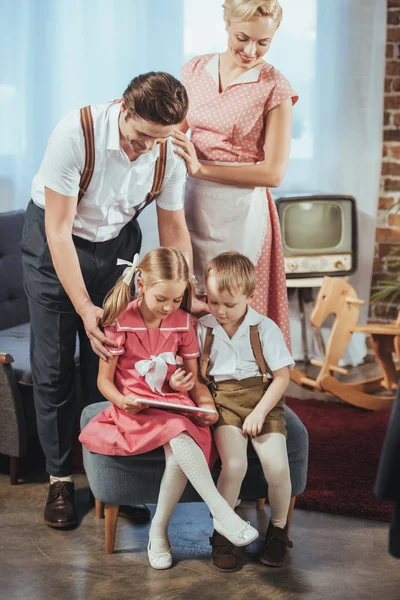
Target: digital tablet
<point>166,405</point>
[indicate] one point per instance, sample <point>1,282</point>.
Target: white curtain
<point>57,55</point>
<point>347,113</point>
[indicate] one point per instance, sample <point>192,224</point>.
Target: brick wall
<point>388,223</point>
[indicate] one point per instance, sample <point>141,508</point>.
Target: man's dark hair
<point>157,97</point>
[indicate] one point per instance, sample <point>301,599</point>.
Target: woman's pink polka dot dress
<point>229,126</point>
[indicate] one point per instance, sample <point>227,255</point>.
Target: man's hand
<point>199,308</point>
<point>129,405</point>
<point>181,381</point>
<point>254,422</point>
<point>90,316</point>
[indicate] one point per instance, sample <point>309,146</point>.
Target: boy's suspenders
<point>255,346</point>
<point>87,173</point>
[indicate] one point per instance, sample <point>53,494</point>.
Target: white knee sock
<point>272,452</point>
<point>192,461</point>
<point>172,486</point>
<point>231,443</point>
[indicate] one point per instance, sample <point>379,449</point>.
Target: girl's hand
<point>129,405</point>
<point>205,419</point>
<point>180,381</point>
<point>185,149</point>
<point>254,422</point>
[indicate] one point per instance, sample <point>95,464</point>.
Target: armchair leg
<point>99,507</point>
<point>14,463</point>
<point>111,514</point>
<point>260,503</point>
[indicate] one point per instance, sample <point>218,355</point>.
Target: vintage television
<point>319,235</point>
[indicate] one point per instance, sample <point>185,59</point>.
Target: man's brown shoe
<point>59,511</point>
<point>276,544</point>
<point>223,556</point>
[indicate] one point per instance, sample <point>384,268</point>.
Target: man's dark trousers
<point>54,329</point>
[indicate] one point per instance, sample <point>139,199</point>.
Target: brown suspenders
<point>88,135</point>
<point>255,346</point>
<point>87,173</point>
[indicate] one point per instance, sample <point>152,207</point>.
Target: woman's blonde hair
<point>233,272</point>
<point>243,10</point>
<point>158,265</point>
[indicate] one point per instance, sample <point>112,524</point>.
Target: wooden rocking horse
<point>338,297</point>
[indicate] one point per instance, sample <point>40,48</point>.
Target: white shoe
<point>159,560</point>
<point>243,536</point>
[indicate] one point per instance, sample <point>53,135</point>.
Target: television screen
<point>313,226</point>
<point>319,235</point>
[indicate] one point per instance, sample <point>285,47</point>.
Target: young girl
<point>150,333</point>
<point>240,348</point>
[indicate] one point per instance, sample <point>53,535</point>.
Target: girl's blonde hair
<point>233,272</point>
<point>158,265</point>
<point>243,10</point>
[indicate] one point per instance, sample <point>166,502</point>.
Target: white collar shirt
<point>118,186</point>
<point>233,358</point>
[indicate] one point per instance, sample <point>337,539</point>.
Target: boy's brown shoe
<point>223,556</point>
<point>276,544</point>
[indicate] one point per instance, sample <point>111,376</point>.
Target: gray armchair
<point>130,480</point>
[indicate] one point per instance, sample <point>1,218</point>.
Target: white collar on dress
<point>249,76</point>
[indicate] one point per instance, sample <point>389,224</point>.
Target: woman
<point>240,118</point>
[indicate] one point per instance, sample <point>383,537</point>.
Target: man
<point>70,250</point>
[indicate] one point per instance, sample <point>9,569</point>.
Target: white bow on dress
<point>155,370</point>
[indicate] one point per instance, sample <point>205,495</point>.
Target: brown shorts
<point>236,399</point>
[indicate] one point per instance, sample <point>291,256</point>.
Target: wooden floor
<point>334,558</point>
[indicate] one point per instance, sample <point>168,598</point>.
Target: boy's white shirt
<point>233,358</point>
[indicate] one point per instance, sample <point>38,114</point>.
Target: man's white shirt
<point>233,358</point>
<point>118,186</point>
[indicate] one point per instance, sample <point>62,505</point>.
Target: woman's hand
<point>254,422</point>
<point>185,149</point>
<point>181,381</point>
<point>129,404</point>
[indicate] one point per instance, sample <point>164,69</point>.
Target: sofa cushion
<point>13,301</point>
<point>15,341</point>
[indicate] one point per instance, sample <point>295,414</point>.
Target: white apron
<point>224,217</point>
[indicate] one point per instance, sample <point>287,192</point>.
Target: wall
<point>388,222</point>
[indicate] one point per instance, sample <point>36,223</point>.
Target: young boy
<point>239,349</point>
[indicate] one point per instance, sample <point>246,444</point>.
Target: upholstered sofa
<point>17,415</point>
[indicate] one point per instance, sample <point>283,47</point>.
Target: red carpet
<point>345,446</point>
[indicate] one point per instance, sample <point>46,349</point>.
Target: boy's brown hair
<point>233,272</point>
